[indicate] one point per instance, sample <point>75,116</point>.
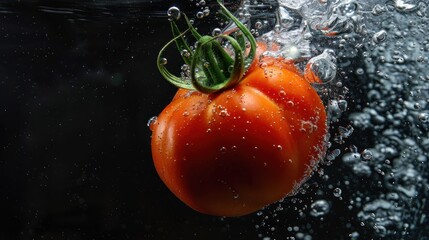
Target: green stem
<point>217,75</point>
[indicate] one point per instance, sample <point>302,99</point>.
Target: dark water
<point>78,83</point>
<point>77,87</point>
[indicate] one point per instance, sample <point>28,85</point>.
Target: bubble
<point>417,106</point>
<point>333,154</point>
<point>405,6</point>
<point>379,36</point>
<point>366,154</point>
<point>345,131</point>
<point>185,53</point>
<point>361,169</point>
<point>216,32</point>
<point>174,12</point>
<point>322,67</point>
<point>342,104</point>
<point>378,9</point>
<point>163,61</point>
<point>258,25</point>
<point>354,236</point>
<point>200,14</point>
<point>360,71</point>
<point>337,192</point>
<point>350,8</point>
<point>353,149</point>
<point>424,117</point>
<point>319,208</point>
<point>206,12</point>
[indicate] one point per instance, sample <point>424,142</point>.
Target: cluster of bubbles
<point>381,49</point>
<point>392,114</point>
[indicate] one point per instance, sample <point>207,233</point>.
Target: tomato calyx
<point>209,67</point>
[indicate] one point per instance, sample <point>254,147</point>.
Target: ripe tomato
<point>231,153</point>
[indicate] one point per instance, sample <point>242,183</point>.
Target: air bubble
<point>378,9</point>
<point>379,37</point>
<point>424,117</point>
<point>206,12</point>
<point>321,67</point>
<point>405,6</point>
<point>174,12</point>
<point>163,61</point>
<point>337,192</point>
<point>342,104</point>
<point>319,208</point>
<point>216,32</point>
<point>366,154</point>
<point>360,71</point>
<point>333,154</point>
<point>200,15</point>
<point>185,53</point>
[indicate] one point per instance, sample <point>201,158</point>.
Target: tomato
<point>233,152</point>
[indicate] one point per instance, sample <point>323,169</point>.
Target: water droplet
<point>174,12</point>
<point>230,68</point>
<point>151,122</point>
<point>223,149</point>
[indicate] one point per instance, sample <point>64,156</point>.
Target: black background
<point>78,83</point>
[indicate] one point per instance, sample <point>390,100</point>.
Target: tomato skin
<point>234,152</point>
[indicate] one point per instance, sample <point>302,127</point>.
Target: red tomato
<point>234,152</point>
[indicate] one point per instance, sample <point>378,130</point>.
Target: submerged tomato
<point>234,152</point>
